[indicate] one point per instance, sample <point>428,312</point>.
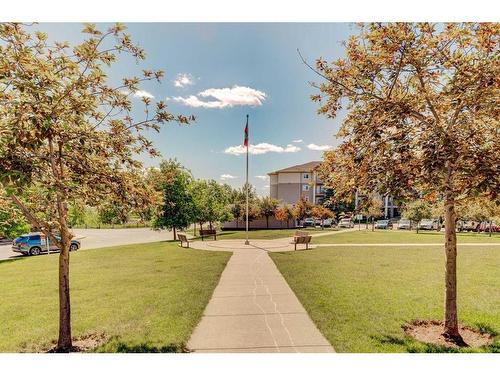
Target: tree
<point>237,199</point>
<point>337,206</point>
<point>211,201</point>
<point>284,213</point>
<point>372,207</point>
<point>422,105</point>
<point>417,210</point>
<point>482,210</point>
<point>302,209</point>
<point>67,132</point>
<point>321,213</point>
<point>178,205</point>
<point>268,206</point>
<point>238,212</point>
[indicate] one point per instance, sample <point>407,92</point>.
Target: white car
<point>428,224</point>
<point>346,223</point>
<point>328,223</point>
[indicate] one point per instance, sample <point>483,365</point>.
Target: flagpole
<point>246,241</point>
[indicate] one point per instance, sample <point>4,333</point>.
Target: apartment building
<point>290,184</point>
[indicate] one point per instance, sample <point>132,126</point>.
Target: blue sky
<point>257,66</point>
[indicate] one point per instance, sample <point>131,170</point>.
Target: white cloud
<point>225,97</point>
<point>315,147</point>
<point>297,141</point>
<point>260,148</point>
<point>262,177</point>
<point>139,94</point>
<point>225,177</point>
<point>183,80</point>
<point>266,186</point>
<point>143,94</point>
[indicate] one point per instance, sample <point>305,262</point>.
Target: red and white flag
<point>245,142</point>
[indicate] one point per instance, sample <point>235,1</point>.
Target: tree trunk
<point>373,225</point>
<point>418,222</point>
<point>491,223</point>
<point>64,342</point>
<point>450,316</point>
<point>175,234</point>
<point>237,222</point>
<point>267,222</point>
<point>288,223</point>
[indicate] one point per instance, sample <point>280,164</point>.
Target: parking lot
<point>96,238</point>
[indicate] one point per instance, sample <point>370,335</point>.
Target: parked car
<point>383,224</point>
<point>471,226</point>
<point>309,222</point>
<point>346,223</point>
<point>485,227</point>
<point>428,224</point>
<point>328,223</point>
<point>35,244</point>
<point>404,224</point>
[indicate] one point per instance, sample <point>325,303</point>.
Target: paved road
<point>96,238</point>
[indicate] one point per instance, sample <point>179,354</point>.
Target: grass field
<point>400,236</point>
<point>263,234</point>
<point>145,297</point>
<point>360,297</point>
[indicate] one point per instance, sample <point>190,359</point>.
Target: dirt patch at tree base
<point>84,343</point>
<point>430,332</point>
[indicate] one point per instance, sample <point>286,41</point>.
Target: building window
<point>305,187</point>
<point>306,176</point>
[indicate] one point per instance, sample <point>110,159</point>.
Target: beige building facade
<point>288,185</point>
<point>299,181</point>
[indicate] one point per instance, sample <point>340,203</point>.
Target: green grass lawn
<point>400,236</point>
<point>146,297</point>
<point>262,234</point>
<point>360,297</point>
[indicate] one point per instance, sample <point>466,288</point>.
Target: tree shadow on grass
<point>10,260</point>
<point>115,345</point>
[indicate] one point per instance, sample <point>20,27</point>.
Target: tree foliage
<point>321,213</point>
<point>177,207</point>
<point>268,206</point>
<point>302,209</point>
<point>417,210</point>
<point>285,213</point>
<point>422,117</point>
<point>67,132</point>
<point>12,221</point>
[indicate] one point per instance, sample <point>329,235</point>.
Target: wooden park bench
<point>183,238</point>
<point>208,232</point>
<point>301,238</point>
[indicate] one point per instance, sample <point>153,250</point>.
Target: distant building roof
<point>306,167</point>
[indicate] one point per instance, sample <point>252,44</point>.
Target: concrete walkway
<point>253,309</point>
